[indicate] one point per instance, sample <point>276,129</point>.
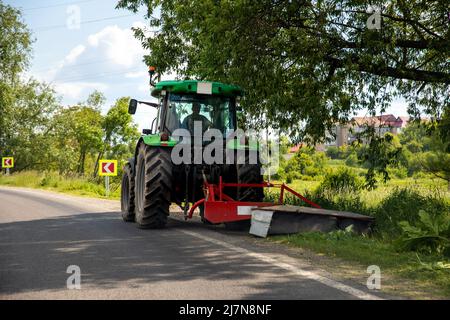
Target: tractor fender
<point>132,161</point>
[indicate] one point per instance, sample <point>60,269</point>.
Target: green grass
<point>366,251</point>
<point>52,181</point>
<point>425,186</point>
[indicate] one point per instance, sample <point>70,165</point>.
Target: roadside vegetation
<point>411,235</point>
<point>83,186</point>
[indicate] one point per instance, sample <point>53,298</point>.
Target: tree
<point>88,132</point>
<point>15,44</point>
<point>416,137</point>
<point>443,127</point>
<point>306,64</point>
<point>437,160</point>
<point>65,144</point>
<point>119,132</point>
<point>428,145</point>
<point>82,135</point>
<point>28,135</point>
<point>378,154</point>
<point>437,163</point>
<point>80,128</point>
<point>15,50</point>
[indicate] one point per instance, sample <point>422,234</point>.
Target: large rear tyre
<point>153,186</point>
<point>127,195</point>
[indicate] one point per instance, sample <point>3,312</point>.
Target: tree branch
<point>398,73</point>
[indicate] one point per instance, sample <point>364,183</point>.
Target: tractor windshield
<point>211,111</point>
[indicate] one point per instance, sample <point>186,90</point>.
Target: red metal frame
<point>220,207</point>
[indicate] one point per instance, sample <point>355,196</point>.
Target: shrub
<point>342,181</point>
<point>430,234</point>
<point>305,162</point>
<point>352,160</point>
<point>332,152</point>
<point>340,190</point>
<point>289,178</point>
<point>50,180</point>
<point>345,151</point>
<point>398,172</point>
<point>420,175</point>
<point>341,152</point>
<point>404,204</point>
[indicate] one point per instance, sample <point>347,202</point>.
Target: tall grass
<point>398,200</point>
<point>68,184</point>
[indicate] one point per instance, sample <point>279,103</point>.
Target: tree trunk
<point>81,162</point>
<point>100,155</point>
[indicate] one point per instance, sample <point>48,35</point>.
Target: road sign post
<point>7,163</point>
<point>107,185</point>
<point>107,168</point>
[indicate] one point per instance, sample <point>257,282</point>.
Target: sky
<point>86,45</point>
<point>98,53</point>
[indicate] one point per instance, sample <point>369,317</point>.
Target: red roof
<point>385,120</point>
<point>295,149</point>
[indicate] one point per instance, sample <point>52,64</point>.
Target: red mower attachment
<point>220,208</point>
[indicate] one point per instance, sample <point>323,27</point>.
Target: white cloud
<point>78,90</point>
<point>118,44</point>
<point>138,74</point>
<point>75,53</point>
<point>109,60</point>
<point>144,88</point>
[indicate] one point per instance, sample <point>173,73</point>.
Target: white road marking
<point>303,273</point>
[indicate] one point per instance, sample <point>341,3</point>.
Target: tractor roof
<point>191,86</point>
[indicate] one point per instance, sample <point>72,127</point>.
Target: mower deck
<point>285,219</point>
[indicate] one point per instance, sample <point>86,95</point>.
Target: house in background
<point>347,133</point>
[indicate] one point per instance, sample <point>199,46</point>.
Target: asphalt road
<point>43,233</point>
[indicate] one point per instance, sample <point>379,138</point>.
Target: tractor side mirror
<point>132,106</point>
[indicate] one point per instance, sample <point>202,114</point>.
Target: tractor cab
<point>185,104</point>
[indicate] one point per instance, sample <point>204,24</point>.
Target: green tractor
<point>152,180</point>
